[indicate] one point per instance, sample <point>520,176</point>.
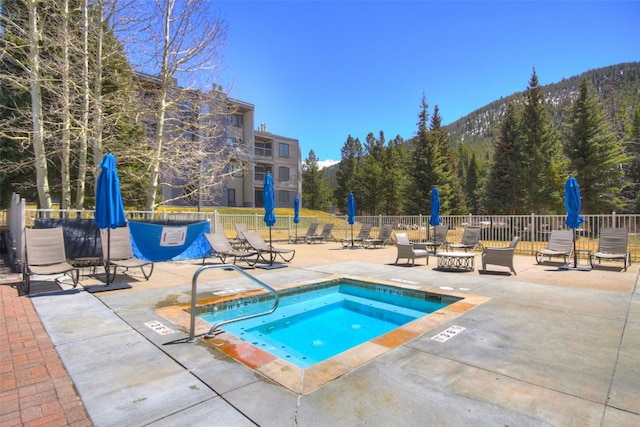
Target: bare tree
<point>188,155</point>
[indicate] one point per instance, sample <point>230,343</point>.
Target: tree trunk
<point>42,180</point>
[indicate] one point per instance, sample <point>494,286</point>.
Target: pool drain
<point>317,343</point>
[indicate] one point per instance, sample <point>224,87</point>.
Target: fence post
<point>420,228</point>
<point>533,231</point>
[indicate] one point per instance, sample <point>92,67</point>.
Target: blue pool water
<point>317,322</point>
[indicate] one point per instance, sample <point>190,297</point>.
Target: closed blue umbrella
<point>572,204</point>
<point>269,200</point>
<point>435,219</point>
<point>351,213</point>
<point>296,214</point>
<point>109,207</point>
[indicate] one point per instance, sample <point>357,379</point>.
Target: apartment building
<point>259,152</point>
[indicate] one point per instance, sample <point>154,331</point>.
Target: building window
<point>260,172</point>
<point>235,120</point>
<point>231,196</point>
<point>283,173</point>
<point>284,150</point>
<point>234,170</point>
<point>283,196</point>
<point>263,149</point>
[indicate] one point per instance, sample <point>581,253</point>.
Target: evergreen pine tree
<point>371,197</point>
<point>315,192</point>
<point>541,155</point>
<point>394,177</point>
<point>348,174</point>
<point>452,198</point>
<point>595,154</point>
<point>503,186</point>
<point>425,169</point>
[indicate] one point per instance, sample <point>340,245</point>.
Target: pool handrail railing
<point>194,286</point>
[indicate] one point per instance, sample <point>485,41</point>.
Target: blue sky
<point>319,71</point>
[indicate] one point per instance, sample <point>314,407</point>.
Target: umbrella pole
<point>352,235</point>
<point>108,254</point>
<point>296,233</point>
<point>271,254</point>
<point>575,254</point>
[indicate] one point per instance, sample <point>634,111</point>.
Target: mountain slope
<point>618,86</point>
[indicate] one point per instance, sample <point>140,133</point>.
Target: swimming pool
<point>302,380</point>
<point>316,322</point>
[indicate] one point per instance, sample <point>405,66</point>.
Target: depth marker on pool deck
<point>159,327</point>
<point>449,333</point>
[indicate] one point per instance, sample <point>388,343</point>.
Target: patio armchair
<point>221,248</point>
<point>409,250</point>
<point>500,256</point>
<point>560,244</point>
<point>362,235</point>
<point>612,245</point>
<point>470,239</point>
<point>45,255</point>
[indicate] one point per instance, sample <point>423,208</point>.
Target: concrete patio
<point>551,347</point>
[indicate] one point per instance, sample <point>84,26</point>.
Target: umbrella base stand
<point>578,268</point>
<point>272,266</point>
<point>110,287</point>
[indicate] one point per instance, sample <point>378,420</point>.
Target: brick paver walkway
<point>35,388</point>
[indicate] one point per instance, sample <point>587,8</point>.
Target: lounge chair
<point>257,243</point>
<point>121,252</point>
<point>560,244</point>
<point>45,255</point>
<point>384,237</point>
<point>221,248</point>
<point>612,245</point>
<point>239,242</point>
<point>311,231</point>
<point>500,256</point>
<point>362,235</point>
<point>439,239</point>
<point>324,235</point>
<point>470,239</point>
<point>409,250</point>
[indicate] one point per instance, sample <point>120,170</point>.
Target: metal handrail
<point>194,285</point>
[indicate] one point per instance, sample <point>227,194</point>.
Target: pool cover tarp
<point>160,242</point>
<point>82,238</point>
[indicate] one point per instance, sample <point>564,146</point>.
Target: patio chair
<point>384,237</point>
<point>121,252</point>
<point>409,250</point>
<point>239,242</point>
<point>221,248</point>
<point>257,243</point>
<point>311,231</point>
<point>612,245</point>
<point>324,235</point>
<point>560,244</point>
<point>362,235</point>
<point>45,255</point>
<point>500,256</point>
<point>439,239</point>
<point>470,239</point>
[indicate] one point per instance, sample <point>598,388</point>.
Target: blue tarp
<point>146,241</point>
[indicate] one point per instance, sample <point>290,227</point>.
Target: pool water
<point>317,322</point>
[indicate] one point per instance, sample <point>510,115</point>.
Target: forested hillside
<point>618,86</point>
<point>499,156</point>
